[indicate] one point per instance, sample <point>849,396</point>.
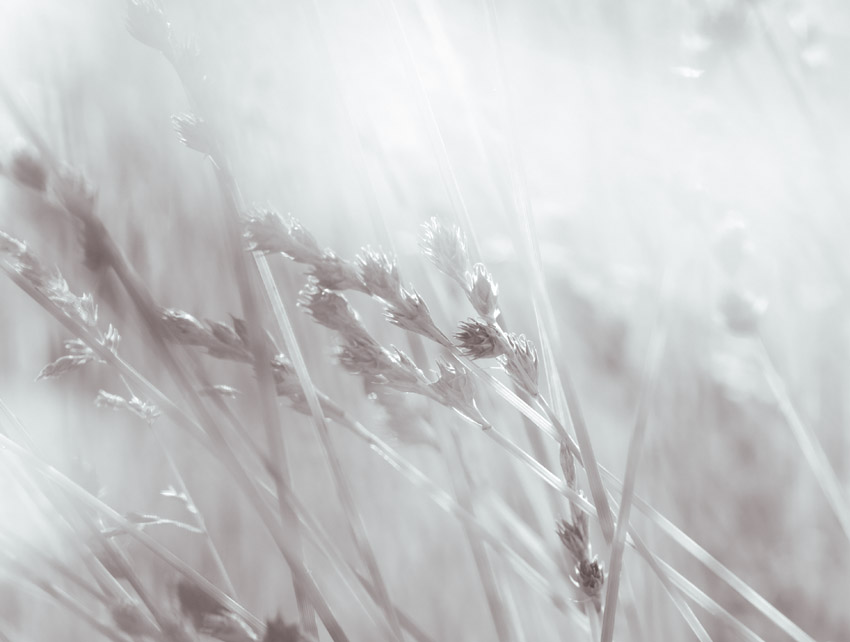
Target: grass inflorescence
<point>345,441</point>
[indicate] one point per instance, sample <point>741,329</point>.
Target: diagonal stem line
<point>808,443</point>
<point>353,517</point>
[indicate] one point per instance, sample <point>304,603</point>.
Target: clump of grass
<point>442,367</point>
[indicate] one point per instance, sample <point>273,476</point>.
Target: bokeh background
<point>654,138</point>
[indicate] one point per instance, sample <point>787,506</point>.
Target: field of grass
<point>393,297</point>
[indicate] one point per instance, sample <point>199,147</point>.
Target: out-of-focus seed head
<point>85,309</point>
<point>279,631</point>
<point>575,536</point>
<point>333,273</point>
<point>185,329</point>
<point>12,246</point>
<point>142,409</point>
<point>108,400</point>
<point>241,329</point>
<point>591,577</point>
<point>194,133</point>
<point>285,377</point>
<point>406,416</point>
<point>220,390</point>
<point>227,627</point>
<point>75,193</point>
<point>146,22</point>
<point>380,275</point>
<point>307,250</point>
<point>331,309</point>
<point>129,618</point>
<point>404,375</point>
<point>195,603</point>
<point>360,354</point>
<point>363,356</point>
<point>77,348</point>
<point>49,282</point>
<point>742,311</point>
<point>479,340</point>
<point>267,231</point>
<point>228,344</point>
<point>111,339</point>
<point>484,293</point>
<point>411,313</point>
<point>446,248</point>
<point>63,365</point>
<point>52,285</point>
<point>520,362</point>
<point>568,464</point>
<point>732,245</point>
<point>455,389</point>
<point>27,168</point>
<point>225,334</point>
<point>173,631</point>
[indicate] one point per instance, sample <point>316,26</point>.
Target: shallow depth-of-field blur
<point>654,140</point>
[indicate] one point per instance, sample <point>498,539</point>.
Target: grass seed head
<point>478,340</point>
<point>520,362</point>
<point>455,389</point>
<point>332,310</point>
<point>333,273</point>
<point>108,400</point>
<point>267,231</point>
<point>575,536</point>
<point>110,340</point>
<point>446,248</point>
<point>363,356</point>
<point>568,464</point>
<point>142,409</point>
<point>483,293</point>
<point>52,285</point>
<point>404,375</point>
<point>285,377</point>
<point>411,313</point>
<point>590,578</point>
<point>63,365</point>
<point>77,348</point>
<point>185,329</point>
<point>226,335</point>
<point>380,275</point>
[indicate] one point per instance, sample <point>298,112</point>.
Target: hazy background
<point>643,130</point>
